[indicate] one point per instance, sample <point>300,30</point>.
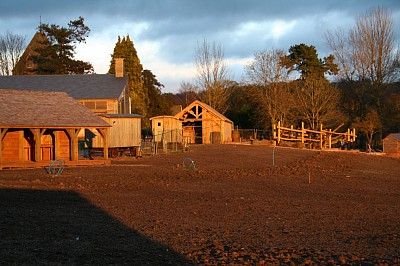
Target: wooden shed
<point>166,128</point>
<point>38,127</point>
<point>203,124</point>
<point>391,144</point>
<point>125,134</point>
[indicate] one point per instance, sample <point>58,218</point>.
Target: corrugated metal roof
<point>96,86</point>
<point>26,109</point>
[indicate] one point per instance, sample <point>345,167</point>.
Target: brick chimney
<point>119,67</point>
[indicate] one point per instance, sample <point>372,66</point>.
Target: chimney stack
<point>119,67</point>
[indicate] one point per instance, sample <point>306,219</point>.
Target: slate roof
<point>30,109</point>
<point>95,86</point>
<point>395,135</point>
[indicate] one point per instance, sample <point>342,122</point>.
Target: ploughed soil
<point>242,204</point>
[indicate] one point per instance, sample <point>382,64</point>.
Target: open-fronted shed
<point>37,127</point>
<point>203,124</point>
<point>391,144</point>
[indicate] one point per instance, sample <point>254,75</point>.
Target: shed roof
<point>394,135</point>
<point>94,86</point>
<point>30,109</point>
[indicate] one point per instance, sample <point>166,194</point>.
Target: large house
<point>101,93</point>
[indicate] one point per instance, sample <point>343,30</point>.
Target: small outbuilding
<point>391,144</point>
<point>37,127</point>
<point>125,134</point>
<point>166,128</point>
<point>202,124</point>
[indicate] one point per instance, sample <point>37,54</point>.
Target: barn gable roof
<point>204,106</point>
<point>95,86</point>
<point>29,109</point>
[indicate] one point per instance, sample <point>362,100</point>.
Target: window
<point>159,124</point>
<point>91,105</point>
<point>101,105</point>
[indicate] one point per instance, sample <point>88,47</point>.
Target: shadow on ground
<point>61,227</point>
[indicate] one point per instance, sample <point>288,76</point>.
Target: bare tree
<point>368,51</point>
<point>267,72</point>
<point>316,101</point>
<point>188,92</point>
<point>11,48</point>
<point>370,125</point>
<point>212,75</point>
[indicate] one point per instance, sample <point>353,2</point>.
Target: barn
<point>38,127</point>
<point>391,144</point>
<point>202,124</point>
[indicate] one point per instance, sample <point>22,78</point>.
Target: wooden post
<point>21,148</point>
<point>37,138</point>
<point>330,139</point>
<point>3,132</point>
<point>279,132</point>
<point>274,131</point>
<point>73,143</point>
<point>302,132</point>
<point>104,133</point>
<point>291,131</point>
<point>348,134</point>
<point>321,141</point>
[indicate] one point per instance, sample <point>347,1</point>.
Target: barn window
<point>90,105</point>
<point>159,124</point>
<point>101,105</point>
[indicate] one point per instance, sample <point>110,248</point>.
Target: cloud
<point>165,33</point>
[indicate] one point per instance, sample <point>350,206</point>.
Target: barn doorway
<point>193,132</point>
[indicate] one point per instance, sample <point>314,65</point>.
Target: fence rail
<point>324,138</point>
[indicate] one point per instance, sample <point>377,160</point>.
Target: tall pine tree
<point>139,97</point>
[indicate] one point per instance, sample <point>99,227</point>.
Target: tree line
<point>356,85</point>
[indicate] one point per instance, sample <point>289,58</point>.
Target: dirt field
<point>312,207</point>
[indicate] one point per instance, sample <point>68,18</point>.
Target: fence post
<point>274,131</point>
<point>321,141</point>
<point>279,132</point>
<point>302,132</point>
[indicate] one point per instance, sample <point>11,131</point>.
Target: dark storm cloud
<point>241,27</point>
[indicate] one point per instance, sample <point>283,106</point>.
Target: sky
<point>166,33</point>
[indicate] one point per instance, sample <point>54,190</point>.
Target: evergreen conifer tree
<point>124,48</point>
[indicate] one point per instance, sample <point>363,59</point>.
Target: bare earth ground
<point>312,207</point>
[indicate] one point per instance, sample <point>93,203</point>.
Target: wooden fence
<point>322,138</point>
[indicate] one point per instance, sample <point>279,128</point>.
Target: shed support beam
<point>104,133</point>
<point>37,138</point>
<point>73,136</point>
<point>3,132</point>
